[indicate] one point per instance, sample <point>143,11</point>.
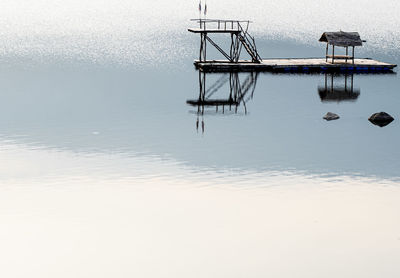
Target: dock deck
<point>296,65</point>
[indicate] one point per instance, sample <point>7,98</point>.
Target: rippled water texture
<point>107,171</point>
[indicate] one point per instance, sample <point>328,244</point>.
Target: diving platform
<point>365,65</point>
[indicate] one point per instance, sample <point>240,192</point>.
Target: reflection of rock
<point>331,116</point>
<point>381,119</point>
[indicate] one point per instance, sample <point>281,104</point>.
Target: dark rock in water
<point>331,116</point>
<point>381,119</point>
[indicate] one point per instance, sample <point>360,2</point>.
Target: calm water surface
<point>106,171</point>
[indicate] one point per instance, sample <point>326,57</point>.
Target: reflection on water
<point>338,88</point>
<point>145,114</point>
<point>237,94</point>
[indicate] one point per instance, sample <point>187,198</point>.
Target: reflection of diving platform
<point>241,39</point>
<point>238,94</point>
<point>212,102</point>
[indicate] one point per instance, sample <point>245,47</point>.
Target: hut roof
<point>341,38</point>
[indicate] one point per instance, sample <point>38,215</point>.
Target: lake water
<point>106,171</point>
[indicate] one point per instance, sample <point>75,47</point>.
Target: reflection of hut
<point>341,39</point>
<point>343,90</point>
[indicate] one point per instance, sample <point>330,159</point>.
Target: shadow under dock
<point>296,65</point>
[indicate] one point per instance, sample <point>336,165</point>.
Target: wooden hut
<point>341,39</point>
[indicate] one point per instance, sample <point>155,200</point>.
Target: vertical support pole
<point>232,53</point>
<point>333,55</point>
<point>236,87</point>
<point>235,90</point>
<point>201,47</point>
<point>326,52</point>
<point>205,47</point>
<point>202,86</point>
<point>352,76</point>
<point>238,47</point>
<point>203,98</point>
<point>230,89</point>
<point>347,52</point>
<point>353,55</point>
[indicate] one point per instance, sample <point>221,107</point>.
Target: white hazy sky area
<point>123,31</point>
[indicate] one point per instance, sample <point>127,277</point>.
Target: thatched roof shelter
<point>342,39</point>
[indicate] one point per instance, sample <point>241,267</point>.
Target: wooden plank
<point>230,31</point>
<point>340,56</point>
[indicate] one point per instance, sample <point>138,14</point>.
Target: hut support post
<point>353,55</point>
<point>347,52</point>
<point>333,54</point>
<point>326,52</point>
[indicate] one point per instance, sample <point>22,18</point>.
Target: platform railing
<point>220,24</point>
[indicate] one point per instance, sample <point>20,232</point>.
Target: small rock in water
<point>331,116</point>
<point>381,119</point>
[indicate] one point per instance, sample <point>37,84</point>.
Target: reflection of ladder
<point>249,83</point>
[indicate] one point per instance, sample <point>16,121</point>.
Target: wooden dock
<point>299,65</point>
<point>240,38</point>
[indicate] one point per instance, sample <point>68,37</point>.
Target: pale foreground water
<point>105,171</point>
